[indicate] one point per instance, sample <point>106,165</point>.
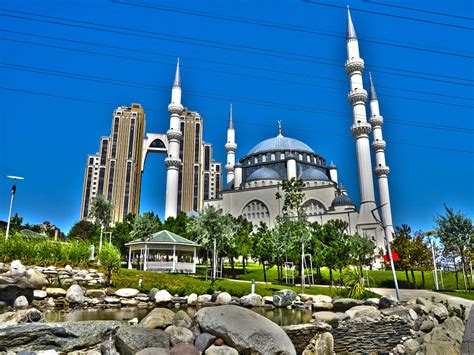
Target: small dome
<point>280,143</point>
<point>313,174</point>
<point>264,174</point>
<point>342,200</point>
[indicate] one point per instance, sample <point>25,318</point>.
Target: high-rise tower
<point>174,136</point>
<point>230,148</point>
<point>381,169</point>
<point>360,128</point>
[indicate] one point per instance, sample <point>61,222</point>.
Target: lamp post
<point>14,178</point>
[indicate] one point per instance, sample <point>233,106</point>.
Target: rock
<point>412,314</point>
<point>153,351</point>
<point>411,346</point>
<point>184,349</point>
<point>441,348</point>
<point>162,296</point>
<point>126,302</point>
<point>12,287</point>
<point>158,318</point>
<point>20,303</point>
<point>439,341</point>
<point>244,330</point>
<point>252,300</point>
<point>95,293</point>
<point>130,340</point>
<point>427,325</point>
<point>268,299</point>
<point>133,321</point>
<point>126,292</point>
<point>219,342</point>
<point>321,298</point>
<point>192,299</point>
<point>439,311</point>
<point>387,302</point>
<point>17,268</point>
<point>68,268</point>
<point>203,341</point>
<point>51,302</point>
<point>179,335</point>
<point>223,298</point>
<point>360,311</point>
<point>75,294</point>
<point>321,344</point>
<point>204,298</point>
<point>112,300</point>
<point>322,306</point>
<point>55,292</point>
<point>454,327</point>
<point>372,302</point>
<point>326,317</point>
<point>221,350</point>
<point>214,295</point>
<point>423,301</point>
<point>39,294</point>
<point>9,319</point>
<point>284,298</point>
<point>301,334</point>
<point>182,319</point>
<point>36,278</point>
<point>343,304</point>
<point>399,311</point>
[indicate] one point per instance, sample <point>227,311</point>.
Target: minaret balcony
<point>376,121</point>
<point>175,109</point>
<point>230,147</point>
<point>379,145</point>
<point>174,135</point>
<point>172,163</point>
<point>354,65</point>
<point>357,96</point>
<point>360,129</point>
<point>382,170</point>
<point>229,168</point>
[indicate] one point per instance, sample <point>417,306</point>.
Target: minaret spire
<point>280,134</point>
<point>351,33</point>
<point>231,121</point>
<point>177,77</point>
<point>373,94</point>
<point>230,148</point>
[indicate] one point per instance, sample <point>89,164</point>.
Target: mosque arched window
<point>282,156</point>
<point>314,208</point>
<point>260,211</point>
<point>273,157</point>
<point>264,158</point>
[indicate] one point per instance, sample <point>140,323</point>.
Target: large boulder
<point>454,327</point>
<point>158,318</point>
<point>75,294</point>
<point>203,341</point>
<point>17,268</point>
<point>387,302</point>
<point>192,299</point>
<point>321,344</point>
<point>12,287</point>
<point>223,298</point>
<point>301,334</point>
<point>439,311</point>
<point>322,306</point>
<point>162,296</point>
<point>129,340</point>
<point>252,300</point>
<point>326,317</point>
<point>321,298</point>
<point>343,304</point>
<point>284,298</point>
<point>411,346</point>
<point>182,319</point>
<point>179,335</point>
<point>360,311</point>
<point>36,278</point>
<point>127,292</point>
<point>244,330</point>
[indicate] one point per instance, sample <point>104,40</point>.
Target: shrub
<point>109,258</point>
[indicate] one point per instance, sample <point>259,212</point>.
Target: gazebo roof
<point>164,237</point>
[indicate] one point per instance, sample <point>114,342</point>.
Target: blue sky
<point>49,123</point>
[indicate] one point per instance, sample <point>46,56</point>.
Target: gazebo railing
<point>170,266</point>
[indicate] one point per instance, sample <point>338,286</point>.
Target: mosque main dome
<point>280,143</point>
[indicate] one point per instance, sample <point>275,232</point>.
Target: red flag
<point>394,257</point>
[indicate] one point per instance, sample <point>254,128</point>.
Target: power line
<point>338,114</point>
<point>242,48</point>
<point>391,15</point>
<point>418,10</point>
<point>250,123</point>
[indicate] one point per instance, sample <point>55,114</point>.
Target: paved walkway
<point>467,346</point>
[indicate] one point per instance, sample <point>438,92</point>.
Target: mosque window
<point>308,159</point>
<point>282,156</point>
<point>300,156</point>
<point>273,157</point>
<point>255,160</point>
<point>264,158</point>
<point>314,208</point>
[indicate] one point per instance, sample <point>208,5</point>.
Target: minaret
<point>174,136</point>
<point>230,148</point>
<point>361,128</point>
<point>381,169</point>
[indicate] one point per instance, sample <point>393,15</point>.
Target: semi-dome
<point>342,200</point>
<point>264,174</point>
<point>313,174</point>
<point>280,143</point>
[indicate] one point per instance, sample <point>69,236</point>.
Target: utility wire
<point>221,120</point>
<point>337,114</point>
<point>133,50</point>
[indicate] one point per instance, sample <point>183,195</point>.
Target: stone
<point>9,319</point>
<point>126,292</point>
<point>387,302</point>
<point>203,341</point>
<point>341,316</point>
<point>17,268</point>
<point>112,300</point>
<point>244,330</point>
<point>372,302</point>
<point>130,340</point>
<point>268,299</point>
<point>75,294</point>
<point>322,306</point>
<point>221,350</point>
<point>36,278</point>
<point>440,341</point>
<point>204,298</point>
<point>95,293</point>
<point>182,319</point>
<point>51,302</point>
<point>326,317</point>
<point>321,298</point>
<point>301,334</point>
<point>39,294</point>
<point>284,298</point>
<point>162,296</point>
<point>56,292</point>
<point>321,344</point>
<point>179,335</point>
<point>127,302</point>
<point>153,351</point>
<point>441,348</point>
<point>427,325</point>
<point>12,287</point>
<point>423,301</point>
<point>439,311</point>
<point>399,311</point>
<point>133,321</point>
<point>68,268</point>
<point>251,300</point>
<point>223,298</point>
<point>413,315</point>
<point>184,349</point>
<point>219,342</point>
<point>214,295</point>
<point>343,304</point>
<point>158,318</point>
<point>20,303</point>
<point>192,299</point>
<point>454,327</point>
<point>360,311</point>
<point>411,346</point>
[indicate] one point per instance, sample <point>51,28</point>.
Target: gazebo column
<point>194,261</point>
<point>174,258</point>
<point>145,258</point>
<point>129,258</point>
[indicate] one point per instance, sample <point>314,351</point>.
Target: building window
<point>273,157</point>
<point>115,135</point>
<point>207,157</point>
<point>111,180</point>
<point>101,180</point>
<point>206,186</point>
<point>126,196</point>
<point>131,138</point>
<point>103,152</point>
<point>88,192</point>
<point>282,156</point>
<point>196,181</point>
<point>196,144</point>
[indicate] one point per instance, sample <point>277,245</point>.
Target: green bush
<point>109,258</point>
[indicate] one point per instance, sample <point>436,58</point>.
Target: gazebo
<point>163,251</point>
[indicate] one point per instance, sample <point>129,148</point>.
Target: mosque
<point>254,180</point>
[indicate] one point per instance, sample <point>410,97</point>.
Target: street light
<point>14,178</point>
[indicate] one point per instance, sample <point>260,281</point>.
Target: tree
<point>109,257</point>
<point>456,232</point>
<point>177,224</point>
<point>262,248</point>
<point>145,225</point>
<point>121,233</point>
<point>362,251</point>
<point>422,255</point>
<point>101,211</point>
<point>401,244</point>
<point>16,222</point>
<point>243,239</point>
<point>84,230</point>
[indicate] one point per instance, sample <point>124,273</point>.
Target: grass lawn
<point>184,285</point>
<point>377,278</point>
<point>462,294</point>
